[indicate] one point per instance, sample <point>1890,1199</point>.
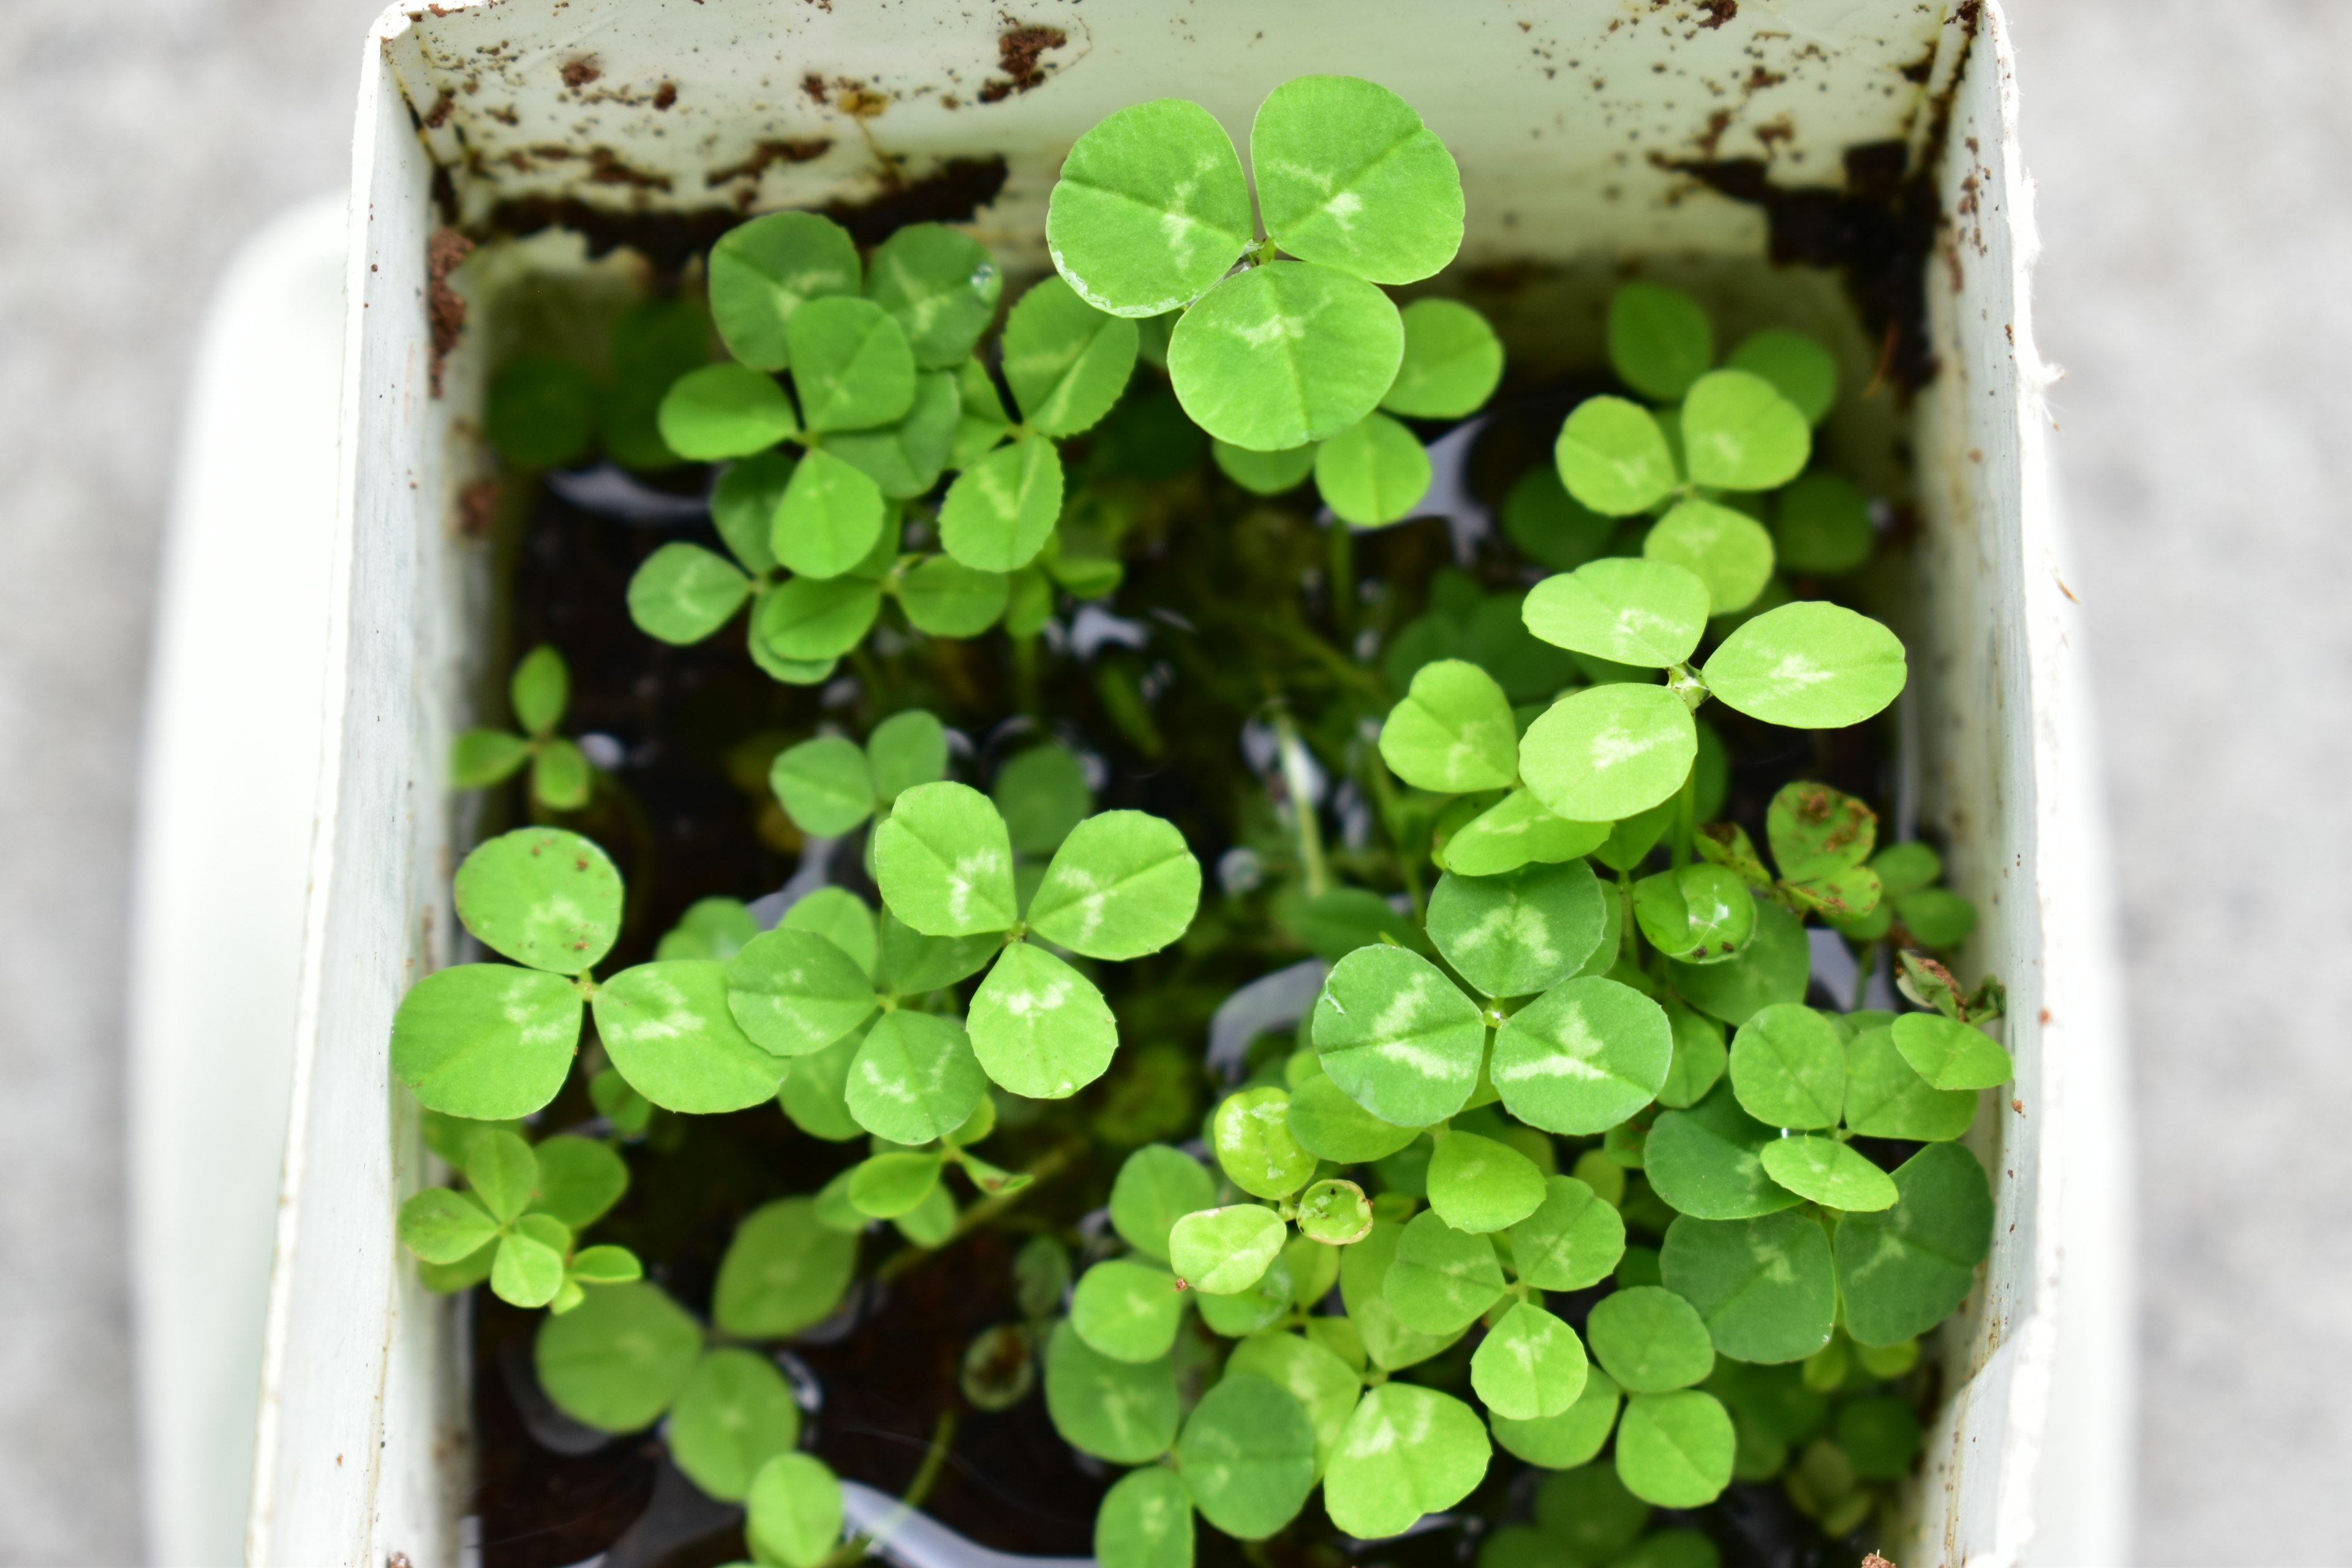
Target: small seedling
<point>561,777</point>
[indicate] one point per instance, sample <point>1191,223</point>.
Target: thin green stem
<point>983,1212</point>
<point>1376,774</point>
<point>935,1458</point>
<point>1686,818</point>
<point>1297,777</point>
<point>1342,546</point>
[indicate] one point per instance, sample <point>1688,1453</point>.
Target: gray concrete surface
<point>2195,165</point>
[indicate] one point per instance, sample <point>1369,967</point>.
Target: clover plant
<point>560,778</point>
<point>1560,1169</point>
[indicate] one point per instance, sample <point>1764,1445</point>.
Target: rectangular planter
<point>1703,142</point>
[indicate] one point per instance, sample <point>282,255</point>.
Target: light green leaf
<point>1348,176</point>
<point>1128,1311</point>
<point>1454,731</point>
<point>1334,1213</point>
<point>1247,1452</point>
<point>1264,473</point>
<point>1043,795</point>
<point>1373,473</point>
<point>1831,1174</point>
<point>911,964</point>
<point>1337,923</point>
<point>479,758</point>
<point>1124,1412</point>
<point>1121,886</point>
<point>1530,1366</point>
<point>1477,1185</point>
<point>539,691</point>
<point>1157,1186</point>
<point>722,411</point>
<point>905,458</point>
<point>736,1414</point>
<point>812,619</point>
<point>1659,341</point>
<point>1364,1270</point>
<point>1739,434</point>
<point>1573,1240</point>
<point>1950,1056</point>
<point>683,593</point>
<point>616,1361</point>
<point>1809,665</point>
<point>1798,366</point>
<point>1330,1125</point>
<point>485,1040</point>
<point>830,518</point>
<point>1788,1067</point>
<point>1551,526</point>
<point>888,1185</point>
<point>1703,1161</point>
<point>1516,831</point>
<point>1066,360</point>
<point>1727,551</point>
<point>1582,1056</point>
<point>944,862</point>
<point>669,1030</point>
<point>794,1513</point>
<point>1887,1098</point>
<point>794,992</point>
<point>824,785</point>
<point>915,1077</point>
<point>906,750</point>
<point>1610,752</point>
<point>1676,1449</point>
<point>1699,914</point>
<point>1000,511</point>
<point>579,1179</point>
<point>541,897</point>
<point>1040,1028</point>
<point>1650,1340</point>
<point>444,1227</point>
<point>743,506</point>
<point>560,779</point>
<point>1406,1451</point>
<point>931,1224</point>
<point>1518,933</point>
<point>604,1266</point>
<point>1901,1272</point>
<point>851,364</point>
<point>1441,1279</point>
<point>1772,968</point>
<point>1571,1438</point>
<point>1823,526</point>
<point>946,598</point>
<point>782,1272</point>
<point>1261,1306</point>
<point>941,286</point>
<point>1452,361</point>
<point>1613,457</point>
<point>762,273</point>
<point>503,1170</point>
<point>1150,210</point>
<point>1398,1037</point>
<point>981,421</point>
<point>1145,1522</point>
<point>1314,1375</point>
<point>529,1269</point>
<point>1251,1136</point>
<point>1284,355</point>
<point>1764,1287</point>
<point>1647,613</point>
<point>1224,1251</point>
<point>1699,1056</point>
<point>815,1091</point>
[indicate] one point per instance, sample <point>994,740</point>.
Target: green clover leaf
<point>793,1511</point>
<point>1764,1287</point>
<point>619,1359</point>
<point>944,862</point>
<point>941,286</point>
<point>905,458</point>
<point>1903,1269</point>
<point>1125,1412</point>
<point>737,1413</point>
<point>783,1271</point>
<point>1151,209</point>
<point>1122,885</point>
<point>1145,1522</point>
<point>1676,1449</point>
<point>668,1028</point>
<point>1453,731</point>
<point>541,897</point>
<point>794,992</point>
<point>1286,355</point>
<point>1582,1056</point>
<point>1128,1311</point>
<point>1609,753</point>
<point>1798,366</point>
<point>762,271</point>
<point>1659,341</point>
<point>1373,473</point>
<point>1040,1028</point>
<point>681,595</point>
<point>1224,1251</point>
<point>1248,1454</point>
<point>1573,1239</point>
<point>1704,1160</point>
<point>1739,434</point>
<point>1398,1037</point>
<point>1518,933</point>
<point>1648,613</point>
<point>1066,360</point>
<point>722,411</point>
<point>1478,1185</point>
<point>1530,1366</point>
<point>1834,1174</point>
<point>1809,665</point>
<point>914,1079</point>
<point>1516,831</point>
<point>851,364</point>
<point>1788,1067</point>
<point>1348,176</point>
<point>1405,1451</point>
<point>1727,551</point>
<point>485,1040</point>
<point>1157,1186</point>
<point>1452,361</point>
<point>1613,457</point>
<point>1000,511</point>
<point>1949,1054</point>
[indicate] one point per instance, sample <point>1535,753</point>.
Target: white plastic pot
<point>1566,117</point>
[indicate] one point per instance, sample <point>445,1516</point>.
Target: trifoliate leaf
<point>1042,795</point>
<point>1347,174</point>
<point>1122,885</point>
<point>1151,209</point>
<point>1398,1037</point>
<point>824,785</point>
<point>668,1028</point>
<point>1764,1287</point>
<point>1739,434</point>
<point>1284,355</point>
<point>485,1040</point>
<point>1454,731</point>
<point>619,1359</point>
<point>831,515</point>
<point>1040,1028</point>
<point>1582,1056</point>
<point>1613,457</point>
<point>906,750</point>
<point>946,598</point>
<point>579,1179</point>
<point>541,897</point>
<point>444,1227</point>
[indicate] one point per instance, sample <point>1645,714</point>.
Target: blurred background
<point>2195,173</point>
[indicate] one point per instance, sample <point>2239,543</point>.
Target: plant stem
<point>982,1212</point>
<point>1343,582</point>
<point>1376,774</point>
<point>1024,679</point>
<point>861,1546</point>
<point>1685,818</point>
<point>1298,778</point>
